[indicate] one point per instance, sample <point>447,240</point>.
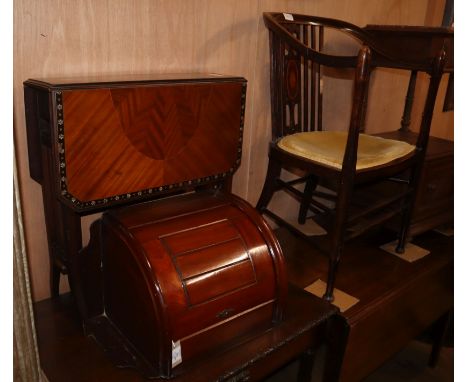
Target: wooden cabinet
<point>435,200</point>
<point>192,272</point>
<point>434,197</point>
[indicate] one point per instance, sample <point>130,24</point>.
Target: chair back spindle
<point>296,76</point>
<point>298,96</point>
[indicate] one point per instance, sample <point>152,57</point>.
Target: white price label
<point>288,16</point>
<point>176,353</point>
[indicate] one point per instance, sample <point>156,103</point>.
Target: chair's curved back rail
<point>297,59</point>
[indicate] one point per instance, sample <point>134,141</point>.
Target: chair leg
<point>337,238</point>
<point>406,219</point>
<point>333,262</point>
<point>408,210</point>
<point>334,259</point>
<point>270,185</point>
<point>310,186</point>
<point>404,229</point>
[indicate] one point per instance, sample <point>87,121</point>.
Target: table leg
<point>440,331</point>
<point>337,340</point>
<point>306,365</point>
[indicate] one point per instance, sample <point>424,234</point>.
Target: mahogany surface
<point>67,355</point>
<point>398,300</point>
<point>201,268</point>
<point>121,141</point>
<point>412,45</point>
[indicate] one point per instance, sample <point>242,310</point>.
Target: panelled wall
<point>66,38</point>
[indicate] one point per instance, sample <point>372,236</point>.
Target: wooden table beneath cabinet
<point>67,355</point>
<point>398,300</point>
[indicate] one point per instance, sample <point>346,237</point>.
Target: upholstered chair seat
<point>328,147</point>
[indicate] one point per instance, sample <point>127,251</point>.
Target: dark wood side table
<point>398,300</point>
<point>67,355</point>
<point>95,143</point>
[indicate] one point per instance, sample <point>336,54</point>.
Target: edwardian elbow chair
<point>344,160</point>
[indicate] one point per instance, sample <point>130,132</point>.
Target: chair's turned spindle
<point>319,80</point>
<point>406,117</point>
<point>313,82</point>
<point>305,66</point>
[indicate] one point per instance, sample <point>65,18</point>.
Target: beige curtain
<point>25,354</point>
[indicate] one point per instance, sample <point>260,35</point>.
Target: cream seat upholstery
<point>327,147</point>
